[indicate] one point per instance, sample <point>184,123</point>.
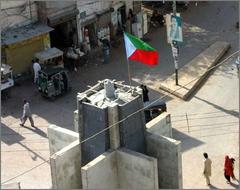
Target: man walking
<point>207,168</point>
<point>26,114</point>
<point>36,68</point>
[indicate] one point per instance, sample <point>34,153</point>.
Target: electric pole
<point>175,48</point>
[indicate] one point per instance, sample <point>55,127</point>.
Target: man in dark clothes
<point>145,93</point>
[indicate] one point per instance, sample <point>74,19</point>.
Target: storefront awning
<point>48,54</point>
<point>13,36</point>
<point>88,21</point>
<point>62,17</point>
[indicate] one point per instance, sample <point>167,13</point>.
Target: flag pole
<point>129,73</point>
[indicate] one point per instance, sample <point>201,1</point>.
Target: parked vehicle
<point>6,77</point>
<point>52,57</point>
<point>53,82</point>
<point>157,19</point>
<point>154,110</point>
<point>6,80</point>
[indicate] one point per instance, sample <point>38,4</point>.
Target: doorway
<point>64,35</point>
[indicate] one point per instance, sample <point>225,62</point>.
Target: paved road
<point>24,148</point>
<point>213,117</point>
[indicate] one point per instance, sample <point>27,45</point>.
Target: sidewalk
<point>212,127</point>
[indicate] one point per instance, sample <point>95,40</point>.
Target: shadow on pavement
<point>234,185</point>
<point>9,136</point>
<point>213,187</point>
<point>188,142</point>
<point>230,112</point>
<point>36,130</point>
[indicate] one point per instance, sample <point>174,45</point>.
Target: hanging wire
<point>47,161</point>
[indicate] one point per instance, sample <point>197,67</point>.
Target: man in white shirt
<point>36,68</point>
<point>207,168</point>
<point>26,114</point>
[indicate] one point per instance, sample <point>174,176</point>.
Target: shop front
<point>65,29</point>
<point>19,46</point>
<point>93,29</point>
<point>118,19</point>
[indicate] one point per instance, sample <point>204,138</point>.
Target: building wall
<point>132,130</point>
<point>122,169</point>
<point>19,55</point>
<point>91,7</point>
<point>52,8</point>
<point>136,171</point>
<point>58,7</point>
<point>66,167</point>
<point>59,138</point>
<point>161,125</point>
<point>168,153</point>
<point>101,173</point>
<point>65,158</point>
<point>100,143</point>
<point>17,13</point>
<point>87,11</point>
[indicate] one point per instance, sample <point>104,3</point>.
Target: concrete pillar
<point>80,98</point>
<point>79,30</point>
<point>42,12</point>
<point>113,131</point>
<point>75,121</point>
<point>129,5</point>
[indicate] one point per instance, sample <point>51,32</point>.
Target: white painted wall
<point>161,125</point>
<point>136,170</point>
<point>66,167</point>
<point>101,173</point>
<point>169,157</point>
<point>121,169</point>
<point>60,137</point>
<point>92,6</point>
<point>58,7</point>
<point>17,13</point>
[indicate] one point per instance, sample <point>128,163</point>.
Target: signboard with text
<point>174,28</point>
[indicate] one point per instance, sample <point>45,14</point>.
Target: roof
<point>108,93</point>
<point>48,54</point>
<point>52,71</point>
<point>13,36</point>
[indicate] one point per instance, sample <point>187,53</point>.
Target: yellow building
<point>19,46</point>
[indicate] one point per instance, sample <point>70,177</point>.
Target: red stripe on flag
<point>145,57</point>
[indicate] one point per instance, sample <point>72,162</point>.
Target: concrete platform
<point>196,68</point>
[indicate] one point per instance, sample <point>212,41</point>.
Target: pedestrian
<point>128,27</point>
<point>131,15</point>
<point>106,50</point>
<point>207,168</point>
<point>228,169</point>
<point>145,93</point>
<point>36,69</point>
<point>232,161</point>
<point>26,114</point>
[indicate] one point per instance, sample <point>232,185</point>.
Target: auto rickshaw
<point>52,57</point>
<point>53,82</point>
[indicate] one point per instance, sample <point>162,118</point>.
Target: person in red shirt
<point>228,169</point>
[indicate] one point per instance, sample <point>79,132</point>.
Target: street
<point>212,112</point>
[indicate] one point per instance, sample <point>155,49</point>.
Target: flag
<point>138,50</point>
